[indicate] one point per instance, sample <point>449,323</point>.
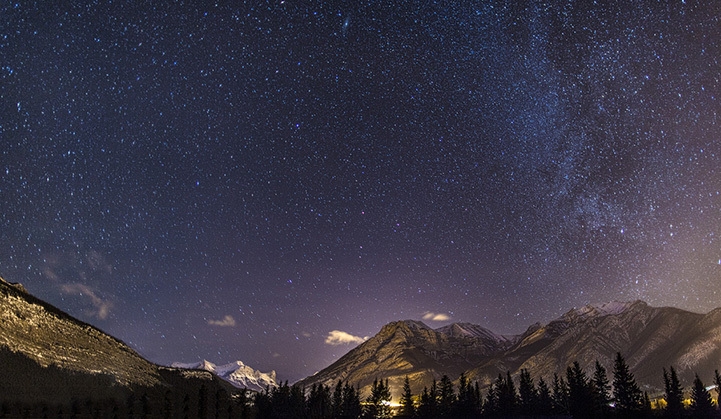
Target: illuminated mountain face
<point>50,337</point>
<point>236,373</point>
<point>51,357</point>
<point>650,338</point>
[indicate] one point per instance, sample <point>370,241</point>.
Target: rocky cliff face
<point>51,337</point>
<point>648,337</point>
<point>47,356</point>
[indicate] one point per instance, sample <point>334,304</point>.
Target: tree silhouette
<point>527,393</point>
<point>580,397</point>
<point>626,394</point>
<point>545,402</point>
<point>319,402</point>
<point>351,402</point>
<point>601,391</point>
<point>297,403</point>
<point>467,401</point>
<point>507,397</point>
<point>673,394</point>
<point>407,408</point>
<point>337,401</point>
<point>701,404</point>
<point>428,407</point>
<point>379,400</point>
<point>560,395</point>
<point>446,397</point>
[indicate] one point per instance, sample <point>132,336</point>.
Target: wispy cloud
<point>436,317</point>
<point>339,337</point>
<point>102,306</point>
<point>97,262</point>
<point>227,321</point>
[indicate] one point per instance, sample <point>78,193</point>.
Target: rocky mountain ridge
<point>236,373</point>
<point>51,337</point>
<point>650,338</point>
<point>48,357</point>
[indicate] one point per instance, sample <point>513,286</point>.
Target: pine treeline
<point>291,402</point>
<point>576,395</point>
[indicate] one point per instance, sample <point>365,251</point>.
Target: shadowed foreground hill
<point>650,338</point>
<point>48,358</point>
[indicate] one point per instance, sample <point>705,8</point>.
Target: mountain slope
<point>236,373</point>
<point>411,348</point>
<point>48,358</point>
<point>51,337</point>
<point>650,338</point>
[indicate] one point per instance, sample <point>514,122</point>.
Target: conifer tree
<point>527,393</point>
<point>626,394</point>
<point>601,391</point>
<point>560,395</point>
<point>319,402</point>
<point>701,404</point>
<point>580,398</point>
<point>337,401</point>
<point>446,397</point>
<point>429,401</point>
<point>351,402</point>
<point>296,402</point>
<point>262,405</point>
<point>507,397</point>
<point>467,401</point>
<point>673,394</point>
<point>545,402</point>
<point>379,400</point>
<point>407,408</point>
<point>491,406</point>
<point>427,405</point>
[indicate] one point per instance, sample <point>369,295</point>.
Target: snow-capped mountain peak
<point>236,373</point>
<point>473,330</point>
<point>605,309</point>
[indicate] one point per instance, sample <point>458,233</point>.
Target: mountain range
<point>50,357</point>
<point>236,373</point>
<point>649,338</point>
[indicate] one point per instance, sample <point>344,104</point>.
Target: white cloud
<point>102,307</point>
<point>338,337</point>
<point>436,317</point>
<point>227,321</point>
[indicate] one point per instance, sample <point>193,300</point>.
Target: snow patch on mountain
<point>475,331</point>
<point>605,309</point>
<point>236,373</point>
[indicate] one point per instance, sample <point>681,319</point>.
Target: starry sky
<point>273,182</point>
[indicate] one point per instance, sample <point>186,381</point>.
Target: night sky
<point>272,182</point>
